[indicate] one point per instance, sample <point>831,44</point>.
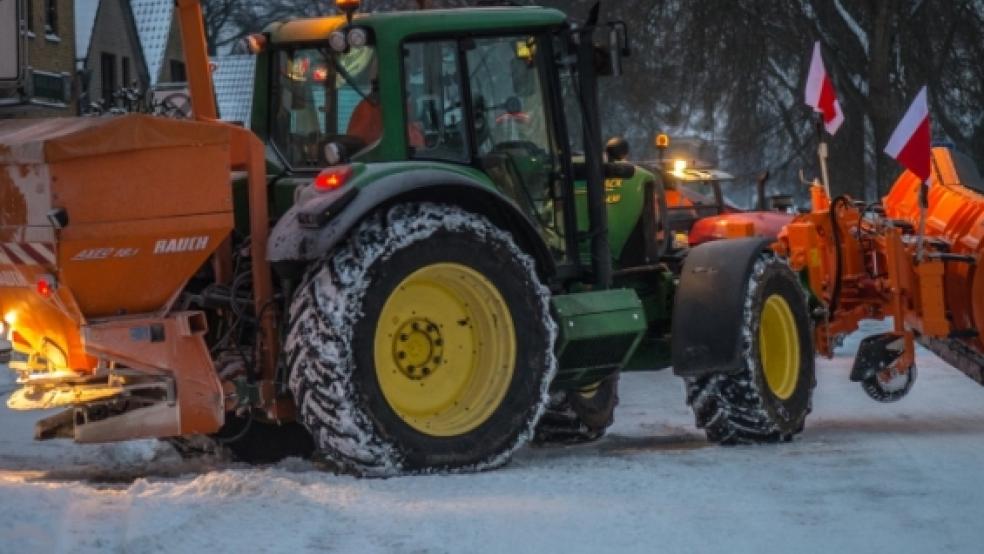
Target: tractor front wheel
<point>769,397</point>
<point>423,343</point>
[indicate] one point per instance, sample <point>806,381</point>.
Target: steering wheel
<point>530,148</point>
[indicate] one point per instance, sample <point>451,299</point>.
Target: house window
<point>49,86</point>
<point>107,66</point>
<point>51,17</point>
<point>178,72</point>
<point>126,71</point>
<point>30,16</point>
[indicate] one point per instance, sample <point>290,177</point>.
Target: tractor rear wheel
<point>768,399</point>
<point>579,415</point>
<point>425,342</point>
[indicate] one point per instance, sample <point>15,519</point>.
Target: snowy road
<point>863,477</point>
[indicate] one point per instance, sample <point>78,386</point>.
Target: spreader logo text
<point>185,244</point>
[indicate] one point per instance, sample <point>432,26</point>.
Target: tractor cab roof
<point>400,24</point>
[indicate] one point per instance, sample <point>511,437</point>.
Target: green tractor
<point>464,265</point>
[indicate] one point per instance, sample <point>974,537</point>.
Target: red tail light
<point>333,178</point>
<point>46,286</point>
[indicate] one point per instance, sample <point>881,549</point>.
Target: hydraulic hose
<point>839,254</point>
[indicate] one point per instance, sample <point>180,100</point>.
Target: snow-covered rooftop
<point>153,18</point>
<point>233,79</point>
<point>85,21</point>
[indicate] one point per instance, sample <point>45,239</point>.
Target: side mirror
<point>614,52</point>
<point>618,45</point>
<point>336,153</point>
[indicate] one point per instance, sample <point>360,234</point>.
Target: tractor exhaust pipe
<point>601,256</point>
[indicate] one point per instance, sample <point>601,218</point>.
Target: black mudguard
<point>709,307</point>
<point>339,212</point>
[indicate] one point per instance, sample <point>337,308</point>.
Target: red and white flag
<point>910,143</point>
<point>820,93</point>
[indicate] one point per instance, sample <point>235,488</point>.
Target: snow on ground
<point>895,478</point>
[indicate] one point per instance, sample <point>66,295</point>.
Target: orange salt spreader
<point>103,222</point>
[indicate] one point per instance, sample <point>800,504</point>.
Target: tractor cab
<point>504,97</point>
<point>703,203</point>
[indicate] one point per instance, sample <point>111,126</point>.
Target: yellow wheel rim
<point>445,349</point>
<point>589,391</point>
<point>779,347</point>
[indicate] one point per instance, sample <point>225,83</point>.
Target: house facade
<point>109,52</point>
<point>48,86</point>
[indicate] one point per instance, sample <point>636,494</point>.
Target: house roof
<point>85,21</point>
<point>153,18</point>
<point>233,79</point>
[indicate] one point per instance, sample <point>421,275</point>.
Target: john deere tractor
<point>481,223</point>
<point>455,262</point>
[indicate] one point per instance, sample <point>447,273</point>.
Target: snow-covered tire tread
<point>731,409</point>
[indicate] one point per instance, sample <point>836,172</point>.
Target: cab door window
<point>513,138</point>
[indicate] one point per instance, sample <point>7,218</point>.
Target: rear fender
<point>709,307</point>
<point>294,244</point>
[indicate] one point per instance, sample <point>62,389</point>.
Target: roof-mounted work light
<point>348,7</point>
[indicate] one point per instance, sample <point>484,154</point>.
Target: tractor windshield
<point>321,96</point>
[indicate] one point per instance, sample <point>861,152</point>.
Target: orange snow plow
<point>879,261</point>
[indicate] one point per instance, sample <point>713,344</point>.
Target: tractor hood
<point>739,225</point>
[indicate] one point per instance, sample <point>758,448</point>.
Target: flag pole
<point>924,205</point>
<point>911,140</point>
<point>823,154</point>
<point>923,209</point>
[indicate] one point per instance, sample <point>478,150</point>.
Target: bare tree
<point>734,71</point>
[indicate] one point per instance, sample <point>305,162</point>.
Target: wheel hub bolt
<point>418,348</point>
